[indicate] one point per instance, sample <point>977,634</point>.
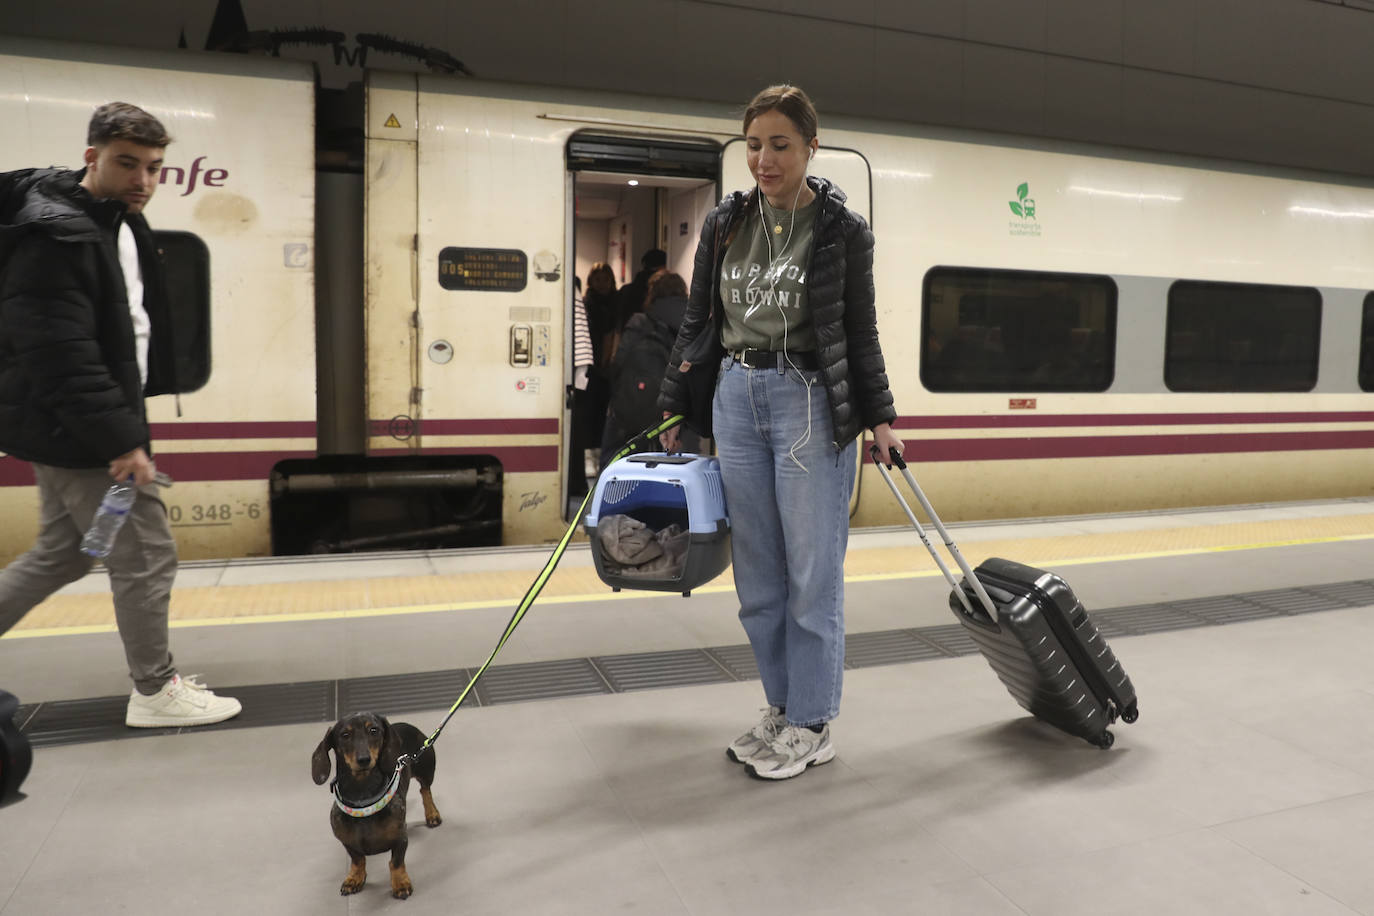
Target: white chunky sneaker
<point>181,701</point>
<point>791,752</point>
<point>757,738</point>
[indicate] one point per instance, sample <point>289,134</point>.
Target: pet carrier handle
<point>969,577</point>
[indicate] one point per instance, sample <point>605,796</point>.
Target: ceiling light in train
<point>633,182</point>
<point>1129,195</point>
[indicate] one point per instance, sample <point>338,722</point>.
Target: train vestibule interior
<point>629,196</point>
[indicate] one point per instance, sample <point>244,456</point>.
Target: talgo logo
<point>1023,206</point>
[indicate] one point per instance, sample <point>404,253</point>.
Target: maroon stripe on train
<point>534,458</point>
<point>1026,421</point>
<point>513,458</point>
<point>293,429</point>
<point>267,429</point>
<point>15,473</point>
<point>190,466</point>
<point>258,465</point>
<point>1122,446</point>
<point>305,429</point>
<point>519,427</point>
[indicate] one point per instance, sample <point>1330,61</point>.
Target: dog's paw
<point>351,885</point>
<point>433,820</point>
<point>400,887</point>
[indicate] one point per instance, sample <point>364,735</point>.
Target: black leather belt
<point>777,359</point>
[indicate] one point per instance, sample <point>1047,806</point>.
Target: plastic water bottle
<point>109,518</point>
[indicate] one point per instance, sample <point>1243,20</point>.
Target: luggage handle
<point>969,577</point>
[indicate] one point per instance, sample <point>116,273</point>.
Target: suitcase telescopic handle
<point>929,510</point>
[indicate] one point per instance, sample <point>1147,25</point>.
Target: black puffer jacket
<point>840,296</point>
<point>70,393</point>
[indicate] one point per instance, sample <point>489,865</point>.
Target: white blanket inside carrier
<point>640,551</point>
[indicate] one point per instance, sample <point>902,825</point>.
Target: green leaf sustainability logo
<point>1024,205</point>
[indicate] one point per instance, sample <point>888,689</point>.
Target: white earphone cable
<point>773,276</point>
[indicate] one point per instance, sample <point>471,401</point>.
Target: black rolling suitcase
<point>1035,634</point>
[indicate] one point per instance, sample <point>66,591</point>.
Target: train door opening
<point>627,196</point>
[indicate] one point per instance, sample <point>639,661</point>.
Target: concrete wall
<point>1287,82</point>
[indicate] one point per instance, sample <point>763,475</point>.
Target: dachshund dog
<point>366,747</point>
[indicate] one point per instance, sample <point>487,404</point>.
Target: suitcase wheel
<point>1131,714</point>
<point>1105,740</point>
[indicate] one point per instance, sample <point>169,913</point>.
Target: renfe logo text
<point>175,174</point>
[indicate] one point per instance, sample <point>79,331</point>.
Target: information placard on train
<point>501,270</point>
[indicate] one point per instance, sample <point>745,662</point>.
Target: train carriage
<point>1068,329</point>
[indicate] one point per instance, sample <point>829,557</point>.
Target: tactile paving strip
<point>102,718</point>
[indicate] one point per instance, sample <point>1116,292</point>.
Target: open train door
<point>626,193</point>
<point>849,170</point>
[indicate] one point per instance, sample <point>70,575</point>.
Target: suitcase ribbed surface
<point>1048,652</point>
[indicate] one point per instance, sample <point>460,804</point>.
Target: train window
<point>1367,345</point>
<point>1017,330</point>
<point>186,262</point>
<point>1241,337</point>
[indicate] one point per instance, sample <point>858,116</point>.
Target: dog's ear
<point>319,761</point>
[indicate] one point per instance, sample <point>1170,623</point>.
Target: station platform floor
<point>1246,786</point>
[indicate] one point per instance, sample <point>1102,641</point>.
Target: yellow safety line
<point>627,595</point>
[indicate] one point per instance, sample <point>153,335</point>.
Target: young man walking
<point>85,336</point>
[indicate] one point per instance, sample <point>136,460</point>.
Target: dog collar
<point>373,805</point>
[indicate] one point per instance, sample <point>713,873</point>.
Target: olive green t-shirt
<point>763,281</point>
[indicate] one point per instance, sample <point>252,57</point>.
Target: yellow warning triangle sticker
<point>392,122</point>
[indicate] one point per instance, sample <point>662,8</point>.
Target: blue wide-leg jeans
<point>788,498</point>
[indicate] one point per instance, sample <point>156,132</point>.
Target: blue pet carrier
<point>658,522</point>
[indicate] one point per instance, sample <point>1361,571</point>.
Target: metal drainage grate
<point>539,681</point>
<point>1150,618</point>
<point>80,721</point>
<point>406,692</point>
<point>646,671</point>
<point>1350,594</point>
<point>284,704</point>
<point>1228,609</point>
<point>102,718</point>
<point>892,647</point>
<point>952,639</point>
<point>738,660</point>
<point>1295,601</point>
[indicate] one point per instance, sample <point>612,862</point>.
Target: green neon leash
<point>647,437</point>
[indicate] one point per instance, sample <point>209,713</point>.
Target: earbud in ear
<point>813,153</point>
